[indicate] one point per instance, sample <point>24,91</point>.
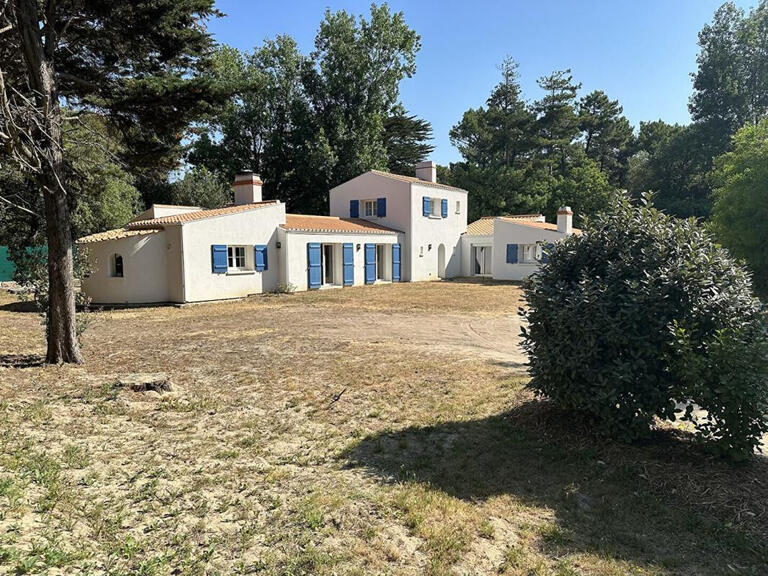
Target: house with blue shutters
<point>511,247</point>
<point>381,228</point>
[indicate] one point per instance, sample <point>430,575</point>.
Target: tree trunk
<point>61,327</point>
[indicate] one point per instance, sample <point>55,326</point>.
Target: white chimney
<point>247,188</point>
<point>426,171</point>
<point>565,220</point>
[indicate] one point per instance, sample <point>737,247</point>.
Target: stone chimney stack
<point>247,188</point>
<point>426,171</point>
<point>565,220</point>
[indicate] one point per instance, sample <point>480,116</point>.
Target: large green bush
<point>641,314</point>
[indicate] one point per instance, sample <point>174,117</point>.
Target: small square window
<point>236,258</point>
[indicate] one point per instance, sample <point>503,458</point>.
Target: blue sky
<point>640,52</point>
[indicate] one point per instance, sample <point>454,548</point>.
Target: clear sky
<point>640,52</point>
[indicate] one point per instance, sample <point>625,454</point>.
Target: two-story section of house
<point>431,216</point>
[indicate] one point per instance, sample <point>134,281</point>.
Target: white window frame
<point>370,208</point>
<point>234,259</point>
<point>435,207</point>
<point>530,253</point>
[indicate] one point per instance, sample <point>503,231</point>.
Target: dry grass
<point>433,460</point>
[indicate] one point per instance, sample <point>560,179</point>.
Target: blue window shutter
<point>511,253</point>
<point>314,266</point>
<point>425,206</point>
<point>354,208</point>
<point>444,207</point>
<point>348,251</point>
<point>381,207</point>
<point>370,263</point>
<point>260,258</point>
<point>545,252</point>
<point>395,262</point>
<point>219,258</point>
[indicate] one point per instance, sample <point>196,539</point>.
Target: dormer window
<point>116,266</point>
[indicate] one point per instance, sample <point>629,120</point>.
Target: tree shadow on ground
<point>20,360</point>
<point>19,306</point>
<point>664,503</point>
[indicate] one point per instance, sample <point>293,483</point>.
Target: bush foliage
<point>644,316</point>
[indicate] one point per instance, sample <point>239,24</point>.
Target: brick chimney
<point>247,188</point>
<point>565,220</point>
<point>426,171</point>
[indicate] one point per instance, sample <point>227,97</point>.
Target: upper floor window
<point>458,206</point>
<point>116,267</point>
<point>369,208</point>
<point>435,207</point>
<point>236,258</point>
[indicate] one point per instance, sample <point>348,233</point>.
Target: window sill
<point>432,217</point>
<point>240,272</point>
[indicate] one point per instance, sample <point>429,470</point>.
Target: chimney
<point>565,220</point>
<point>426,171</point>
<point>247,188</point>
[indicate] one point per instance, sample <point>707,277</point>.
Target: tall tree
<point>406,140</point>
<point>731,83</point>
<point>139,64</point>
<point>740,213</point>
<point>607,134</point>
<point>558,124</point>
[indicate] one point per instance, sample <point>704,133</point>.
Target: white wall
<point>404,213</point>
<point>427,230</point>
<point>370,186</point>
<point>293,253</point>
<point>249,228</point>
<point>145,272</point>
<point>506,232</point>
<point>467,242</point>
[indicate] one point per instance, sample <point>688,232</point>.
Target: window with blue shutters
<point>511,253</point>
<point>426,206</point>
<point>314,266</point>
<point>381,207</point>
<point>219,258</point>
<point>370,263</point>
<point>395,262</point>
<point>348,254</point>
<point>260,258</point>
<point>354,208</point>
<point>444,208</point>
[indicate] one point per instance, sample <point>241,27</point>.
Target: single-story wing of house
<point>511,247</point>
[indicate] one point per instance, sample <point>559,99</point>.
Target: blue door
<point>370,263</point>
<point>395,262</point>
<point>349,264</point>
<point>314,265</point>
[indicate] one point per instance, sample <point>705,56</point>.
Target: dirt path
<point>490,337</point>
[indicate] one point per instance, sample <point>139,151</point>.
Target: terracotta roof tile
<point>303,223</point>
<point>484,226</point>
<point>414,180</point>
<point>116,234</point>
<point>197,215</point>
<point>541,225</point>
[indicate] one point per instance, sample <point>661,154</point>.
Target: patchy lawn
<point>374,430</point>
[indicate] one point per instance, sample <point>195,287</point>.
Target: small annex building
<point>511,247</point>
<point>382,228</point>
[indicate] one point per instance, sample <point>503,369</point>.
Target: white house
<point>382,228</point>
<point>511,247</point>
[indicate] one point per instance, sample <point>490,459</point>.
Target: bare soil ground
<point>375,430</point>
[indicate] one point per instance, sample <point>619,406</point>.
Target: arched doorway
<point>441,261</point>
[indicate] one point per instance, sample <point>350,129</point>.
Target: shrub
<point>643,314</point>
